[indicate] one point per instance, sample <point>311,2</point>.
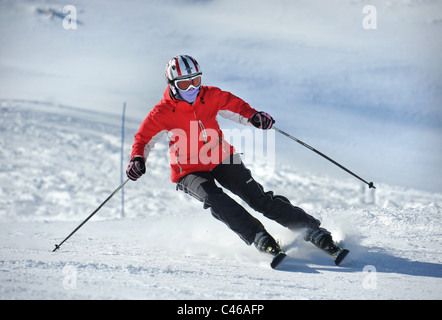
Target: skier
<point>199,156</point>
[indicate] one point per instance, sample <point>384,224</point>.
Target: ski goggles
<point>185,84</point>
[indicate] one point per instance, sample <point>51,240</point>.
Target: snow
<point>367,98</point>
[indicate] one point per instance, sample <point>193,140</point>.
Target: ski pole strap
<point>370,184</point>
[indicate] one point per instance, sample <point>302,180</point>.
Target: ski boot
<point>322,238</point>
<point>264,242</point>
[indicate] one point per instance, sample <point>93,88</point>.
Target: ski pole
<point>370,184</point>
<point>57,246</point>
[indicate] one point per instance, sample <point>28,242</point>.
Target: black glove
<point>136,168</point>
<point>262,120</point>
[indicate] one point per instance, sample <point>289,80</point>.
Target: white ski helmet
<point>181,67</point>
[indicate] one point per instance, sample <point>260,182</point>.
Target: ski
<point>336,252</point>
<point>340,255</point>
<point>277,259</point>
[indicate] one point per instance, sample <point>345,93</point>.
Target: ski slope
<point>370,99</point>
<point>59,164</point>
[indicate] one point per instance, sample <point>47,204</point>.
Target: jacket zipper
<point>177,161</point>
<point>203,130</point>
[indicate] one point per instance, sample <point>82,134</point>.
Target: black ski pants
<point>235,177</point>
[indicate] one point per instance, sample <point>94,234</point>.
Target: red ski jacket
<point>196,142</point>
